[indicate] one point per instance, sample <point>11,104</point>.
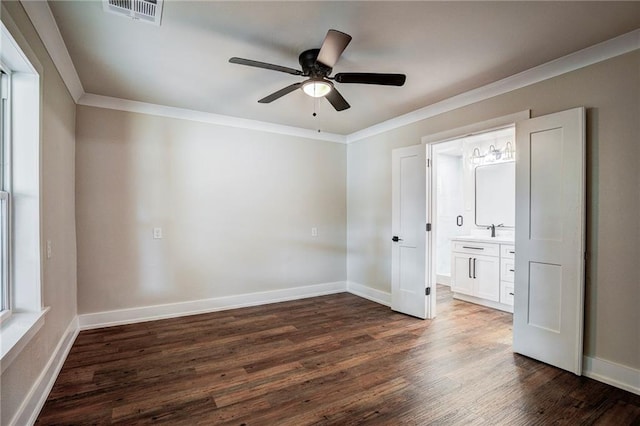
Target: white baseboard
<point>172,310</point>
<point>28,412</point>
<point>378,296</point>
<point>484,302</point>
<point>443,279</point>
<point>613,374</point>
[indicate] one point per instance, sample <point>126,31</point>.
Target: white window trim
<point>5,188</point>
<point>27,312</point>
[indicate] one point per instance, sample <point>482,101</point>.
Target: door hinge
<point>428,227</point>
<point>428,162</point>
<point>427,291</point>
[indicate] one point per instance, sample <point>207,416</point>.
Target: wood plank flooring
<point>331,360</point>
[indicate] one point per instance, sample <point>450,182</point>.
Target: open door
<point>408,252</point>
<point>550,234</point>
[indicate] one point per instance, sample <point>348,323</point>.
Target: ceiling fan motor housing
<point>310,66</point>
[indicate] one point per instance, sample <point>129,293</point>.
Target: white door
<point>549,259</point>
<point>408,250</point>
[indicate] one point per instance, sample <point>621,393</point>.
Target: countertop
<point>500,239</point>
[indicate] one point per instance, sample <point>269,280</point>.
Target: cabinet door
<point>461,279</point>
<point>487,277</point>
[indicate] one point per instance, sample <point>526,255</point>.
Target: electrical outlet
<point>314,232</point>
<point>157,233</point>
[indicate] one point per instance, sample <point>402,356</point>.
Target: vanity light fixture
<point>493,154</point>
<point>476,157</point>
<point>508,151</point>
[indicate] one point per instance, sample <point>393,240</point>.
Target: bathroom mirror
<point>496,194</point>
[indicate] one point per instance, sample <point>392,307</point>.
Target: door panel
<point>546,194</point>
<point>550,223</point>
<point>545,294</point>
<point>408,260</point>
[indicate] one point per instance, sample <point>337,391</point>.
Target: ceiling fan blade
<point>332,47</point>
<point>280,93</point>
<point>335,98</point>
<point>371,78</point>
<point>264,65</point>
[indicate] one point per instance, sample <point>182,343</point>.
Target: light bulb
<point>316,88</point>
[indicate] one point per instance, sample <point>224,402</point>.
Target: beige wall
<point>236,207</point>
<point>58,219</point>
<point>611,93</point>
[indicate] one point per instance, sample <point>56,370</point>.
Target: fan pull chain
<point>315,108</point>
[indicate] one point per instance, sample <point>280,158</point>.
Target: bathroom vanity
<point>482,270</point>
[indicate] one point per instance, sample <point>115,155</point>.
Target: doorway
<point>473,216</point>
<point>550,210</point>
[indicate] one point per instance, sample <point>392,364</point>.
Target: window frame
<point>5,194</point>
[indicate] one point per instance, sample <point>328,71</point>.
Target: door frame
<point>445,136</point>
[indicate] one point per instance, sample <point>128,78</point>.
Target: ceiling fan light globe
<point>317,88</point>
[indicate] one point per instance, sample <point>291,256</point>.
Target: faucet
<point>493,229</point>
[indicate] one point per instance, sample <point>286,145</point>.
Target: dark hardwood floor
<point>337,359</point>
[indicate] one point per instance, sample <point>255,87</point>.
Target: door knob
<point>395,239</point>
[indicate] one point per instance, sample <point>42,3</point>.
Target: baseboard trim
<point>378,296</point>
<point>30,408</point>
<point>172,310</point>
<point>484,302</point>
<point>611,373</point>
<point>443,279</point>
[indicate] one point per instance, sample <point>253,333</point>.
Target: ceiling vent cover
<point>143,10</point>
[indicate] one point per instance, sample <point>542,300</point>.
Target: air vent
<point>143,10</point>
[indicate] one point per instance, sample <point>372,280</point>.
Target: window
<point>22,313</point>
<point>5,191</point>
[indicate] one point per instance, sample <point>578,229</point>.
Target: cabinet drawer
<point>469,247</point>
<point>507,251</point>
<point>507,270</point>
<point>506,293</point>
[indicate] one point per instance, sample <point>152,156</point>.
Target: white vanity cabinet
<point>480,272</point>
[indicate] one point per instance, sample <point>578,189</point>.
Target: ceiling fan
<point>317,64</point>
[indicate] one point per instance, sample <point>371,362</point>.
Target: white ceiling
<point>444,48</point>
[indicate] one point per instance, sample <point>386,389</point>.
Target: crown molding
<point>107,102</point>
<point>46,26</point>
<point>580,59</point>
